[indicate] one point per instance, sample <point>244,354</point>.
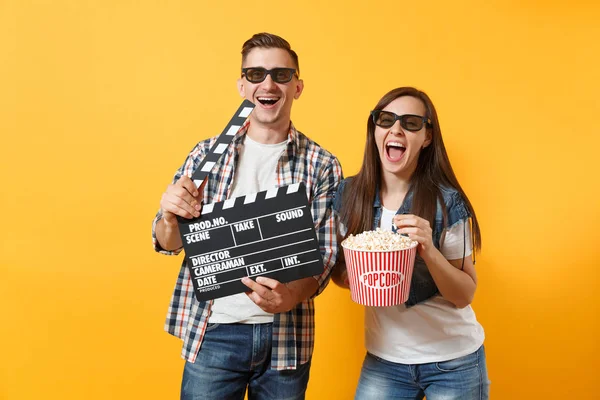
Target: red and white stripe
<point>360,264</point>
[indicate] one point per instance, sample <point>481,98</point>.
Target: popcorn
<point>378,240</point>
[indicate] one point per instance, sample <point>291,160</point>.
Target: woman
<point>432,345</point>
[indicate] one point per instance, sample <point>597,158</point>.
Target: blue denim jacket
<point>422,286</point>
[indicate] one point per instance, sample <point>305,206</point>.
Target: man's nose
<point>268,82</point>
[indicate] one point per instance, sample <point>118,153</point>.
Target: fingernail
<point>197,206</point>
<point>195,194</point>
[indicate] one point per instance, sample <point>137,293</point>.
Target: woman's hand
<point>417,229</point>
<point>455,285</point>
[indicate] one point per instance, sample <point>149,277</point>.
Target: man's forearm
<point>339,275</point>
<point>303,288</point>
<point>168,235</point>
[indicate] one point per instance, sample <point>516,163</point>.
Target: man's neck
<point>268,134</point>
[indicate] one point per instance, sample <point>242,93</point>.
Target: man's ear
<point>241,88</point>
<point>299,89</point>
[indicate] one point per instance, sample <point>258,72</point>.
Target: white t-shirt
<point>431,331</point>
<point>256,171</point>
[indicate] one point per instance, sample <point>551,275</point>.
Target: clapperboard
<point>269,233</point>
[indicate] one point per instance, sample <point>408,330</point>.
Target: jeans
<point>464,378</point>
<point>234,357</point>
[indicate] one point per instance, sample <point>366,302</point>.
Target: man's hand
<point>183,199</point>
<point>270,295</point>
<point>180,199</point>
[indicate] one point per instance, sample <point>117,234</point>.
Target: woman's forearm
<point>454,284</point>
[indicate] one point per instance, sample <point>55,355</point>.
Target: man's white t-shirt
<point>256,171</point>
<point>431,331</point>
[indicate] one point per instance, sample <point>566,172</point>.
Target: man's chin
<point>267,119</point>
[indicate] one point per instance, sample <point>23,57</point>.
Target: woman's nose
<point>396,129</point>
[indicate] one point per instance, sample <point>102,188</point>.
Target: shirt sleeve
<point>456,209</point>
<point>325,221</point>
<point>191,162</point>
<point>337,207</point>
<point>457,241</point>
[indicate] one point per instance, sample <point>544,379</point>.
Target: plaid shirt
<point>293,331</point>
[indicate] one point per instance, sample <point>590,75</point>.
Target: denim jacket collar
<point>404,208</point>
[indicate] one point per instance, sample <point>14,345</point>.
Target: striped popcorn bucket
<point>380,278</point>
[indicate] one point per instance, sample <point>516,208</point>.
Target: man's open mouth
<point>268,101</point>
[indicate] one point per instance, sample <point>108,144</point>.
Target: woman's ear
<point>428,138</point>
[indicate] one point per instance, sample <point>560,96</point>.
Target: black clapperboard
<point>269,233</point>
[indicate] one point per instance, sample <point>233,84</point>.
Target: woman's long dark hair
<point>433,171</point>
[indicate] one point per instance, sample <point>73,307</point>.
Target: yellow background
<point>100,101</point>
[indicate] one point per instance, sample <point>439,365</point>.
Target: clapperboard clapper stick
<point>220,146</point>
<point>270,233</point>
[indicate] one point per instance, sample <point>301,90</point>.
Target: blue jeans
<point>464,378</point>
<point>234,357</point>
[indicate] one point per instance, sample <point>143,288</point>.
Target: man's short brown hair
<point>269,41</point>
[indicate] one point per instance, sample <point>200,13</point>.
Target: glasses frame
<point>271,72</point>
<point>402,118</point>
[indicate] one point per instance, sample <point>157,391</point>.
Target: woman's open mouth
<point>394,151</point>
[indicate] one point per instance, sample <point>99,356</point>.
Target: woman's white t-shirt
<point>431,331</point>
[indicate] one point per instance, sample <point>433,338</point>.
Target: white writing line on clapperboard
<point>290,261</point>
<point>208,225</point>
<point>235,280</point>
<point>249,243</point>
<point>233,235</point>
<point>238,263</point>
<point>261,235</point>
<point>208,288</point>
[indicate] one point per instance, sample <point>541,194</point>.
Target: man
<point>261,340</point>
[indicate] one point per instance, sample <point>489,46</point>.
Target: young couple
<point>261,342</point>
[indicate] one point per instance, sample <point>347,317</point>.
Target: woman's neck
<point>393,190</point>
